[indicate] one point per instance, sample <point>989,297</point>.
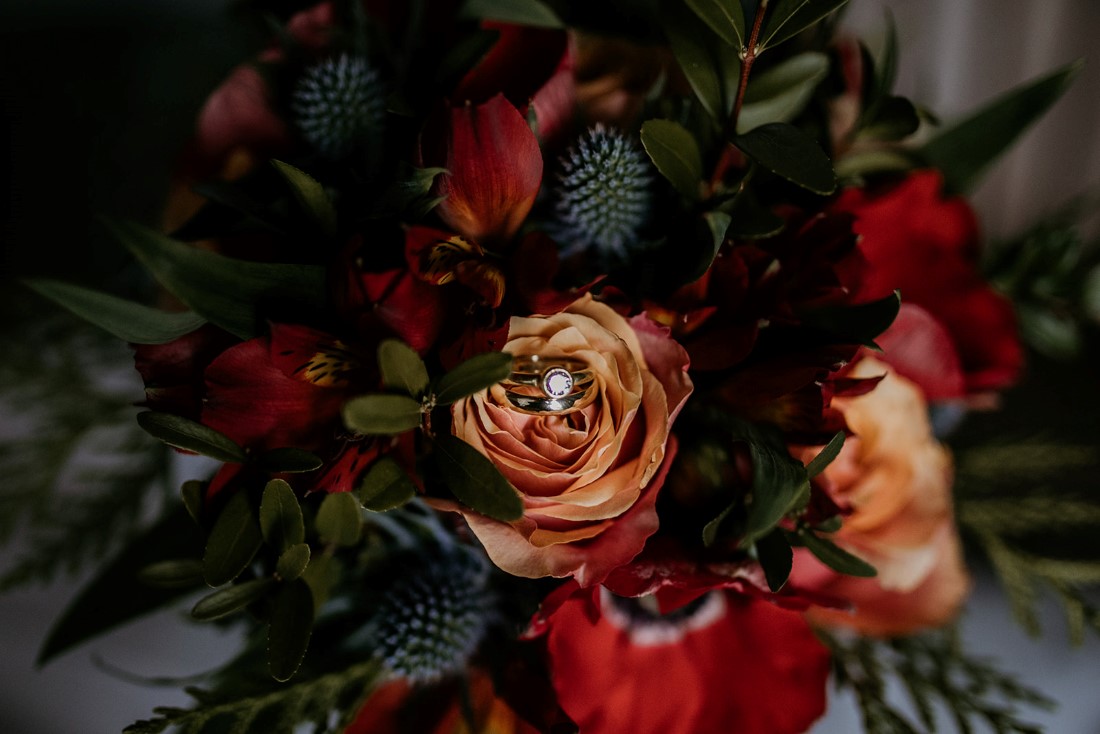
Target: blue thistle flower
<point>433,618</point>
<point>338,103</point>
<point>603,193</point>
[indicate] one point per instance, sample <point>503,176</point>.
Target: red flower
<point>916,240</point>
<point>723,663</point>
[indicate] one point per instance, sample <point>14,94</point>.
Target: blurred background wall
<point>98,96</point>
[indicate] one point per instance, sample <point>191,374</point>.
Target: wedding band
<point>549,406</point>
<point>548,385</point>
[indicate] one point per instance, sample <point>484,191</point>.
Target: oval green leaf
<point>311,196</point>
<point>836,557</point>
<point>475,480</point>
<point>231,599</point>
<point>293,562</point>
<point>473,375</point>
<point>826,455</point>
<point>192,493</point>
<point>676,155</point>
<point>290,629</point>
<point>520,12</point>
<point>233,542</point>
<point>290,460</point>
<point>724,17</point>
<point>385,486</point>
<point>188,435</point>
<point>281,518</point>
<point>780,93</point>
<point>788,152</point>
<point>402,368</point>
<point>776,558</point>
<point>696,50</point>
<point>382,415</point>
<point>179,573</point>
<point>338,519</point>
<point>790,17</point>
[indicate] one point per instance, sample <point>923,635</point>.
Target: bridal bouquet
<point>571,367</point>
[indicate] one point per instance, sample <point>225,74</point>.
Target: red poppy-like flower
<point>915,239</point>
<point>723,663</point>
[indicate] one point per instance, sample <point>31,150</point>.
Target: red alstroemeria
<point>723,663</point>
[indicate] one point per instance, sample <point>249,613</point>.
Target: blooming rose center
<point>642,620</point>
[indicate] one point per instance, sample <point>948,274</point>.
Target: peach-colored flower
<point>896,478</point>
<point>589,479</point>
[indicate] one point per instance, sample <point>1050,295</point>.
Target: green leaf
<point>858,324</point>
<point>779,484</point>
<point>472,376</point>
<point>676,155</point>
<point>322,574</point>
<point>966,149</point>
<point>293,562</point>
<point>114,597</point>
<point>790,17</point>
<point>179,573</point>
<point>710,530</point>
<point>129,321</point>
<point>750,221</point>
<point>224,602</point>
<point>826,455</point>
<point>233,294</point>
<point>290,629</point>
<point>188,435</point>
<point>475,480</point>
<point>382,415</point>
<point>776,558</point>
<point>724,17</point>
<point>402,368</point>
<point>311,195</point>
<point>192,493</point>
<point>871,162</point>
<point>233,541</point>
<point>289,460</point>
<point>338,519</point>
<point>697,51</point>
<point>410,194</point>
<point>385,486</point>
<point>896,119</point>
<point>787,151</point>
<point>836,557</point>
<point>780,93</point>
<point>521,12</point>
<point>281,519</point>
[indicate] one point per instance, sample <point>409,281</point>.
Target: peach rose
<point>589,479</point>
<point>896,478</point>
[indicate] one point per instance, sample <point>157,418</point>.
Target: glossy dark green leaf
<point>896,119</point>
<point>724,17</point>
<point>472,376</point>
<point>281,520</point>
<point>776,558</point>
<point>779,484</point>
<point>186,434</point>
<point>790,17</point>
<point>129,321</point>
<point>402,368</point>
<point>115,596</point>
<point>322,574</point>
<point>293,562</point>
<point>289,630</point>
<point>310,195</point>
<point>338,519</point>
<point>676,155</point>
<point>385,486</point>
<point>781,92</point>
<point>829,525</point>
<point>882,72</point>
<point>826,455</point>
<point>230,293</point>
<point>787,151</point>
<point>224,602</point>
<point>858,324</point>
<point>836,557</point>
<point>382,415</point>
<point>233,541</point>
<point>192,493</point>
<point>750,221</point>
<point>177,573</point>
<point>521,12</point>
<point>710,530</point>
<point>289,460</point>
<point>966,149</point>
<point>695,47</point>
<point>475,480</point>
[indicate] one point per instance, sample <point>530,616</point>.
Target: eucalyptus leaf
<point>787,151</point>
<point>385,486</point>
<point>233,541</point>
<point>293,562</point>
<point>311,196</point>
<point>836,557</point>
<point>402,368</point>
<point>192,493</point>
<point>790,17</point>
<point>281,520</point>
<point>472,376</point>
<point>224,602</point>
<point>290,629</point>
<point>289,460</point>
<point>826,455</point>
<point>322,574</point>
<point>776,558</point>
<point>676,155</point>
<point>338,519</point>
<point>966,149</point>
<point>186,434</point>
<point>780,93</point>
<point>724,17</point>
<point>858,324</point>
<point>520,12</point>
<point>475,480</point>
<point>382,415</point>
<point>233,294</point>
<point>127,320</point>
<point>177,573</point>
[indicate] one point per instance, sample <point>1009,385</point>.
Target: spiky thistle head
<point>433,617</point>
<point>338,103</point>
<point>603,193</point>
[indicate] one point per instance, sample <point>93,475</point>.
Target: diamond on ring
<point>556,382</point>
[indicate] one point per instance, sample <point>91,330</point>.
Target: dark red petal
<point>411,308</point>
<point>920,349</point>
<point>173,372</point>
<point>535,265</point>
<point>521,62</point>
<point>314,356</point>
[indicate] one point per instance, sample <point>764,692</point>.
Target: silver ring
<point>548,406</point>
<point>541,385</point>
